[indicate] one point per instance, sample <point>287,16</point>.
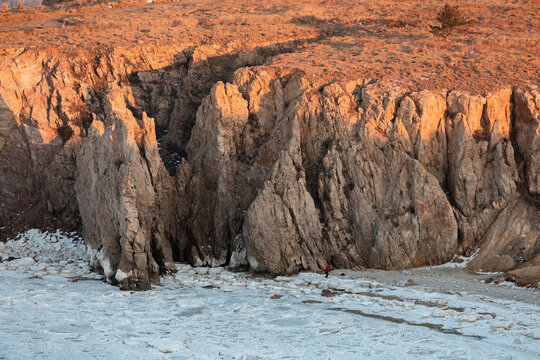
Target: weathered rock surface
<point>126,197</point>
<point>353,174</point>
<point>512,243</point>
<point>214,191</point>
<point>527,129</point>
<point>204,66</point>
<point>34,128</point>
<point>513,240</point>
<point>273,171</point>
<point>46,105</point>
<point>481,167</point>
<point>331,186</point>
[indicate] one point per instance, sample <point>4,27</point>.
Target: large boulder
<point>512,241</point>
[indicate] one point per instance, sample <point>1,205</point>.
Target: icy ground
<point>53,307</point>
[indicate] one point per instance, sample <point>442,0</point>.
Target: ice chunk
<point>168,349</point>
<point>469,317</point>
<point>442,313</point>
<point>26,261</point>
<point>120,275</point>
<point>502,324</point>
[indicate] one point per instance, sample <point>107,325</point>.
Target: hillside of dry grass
<point>360,39</point>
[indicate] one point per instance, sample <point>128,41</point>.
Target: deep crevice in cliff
<point>186,83</point>
<point>521,164</point>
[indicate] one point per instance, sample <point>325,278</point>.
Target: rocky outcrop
<point>331,185</point>
<point>513,241</point>
<point>482,173</point>
<point>354,174</point>
<point>214,190</point>
<point>282,231</point>
<point>46,105</point>
<point>527,130</point>
<point>273,170</point>
<point>126,197</point>
<point>41,117</point>
<point>203,67</point>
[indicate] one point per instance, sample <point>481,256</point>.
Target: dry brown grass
<point>451,18</point>
<point>362,39</point>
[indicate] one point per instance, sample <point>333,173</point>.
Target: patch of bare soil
<point>362,39</point>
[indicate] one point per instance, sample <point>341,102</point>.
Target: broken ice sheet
<point>213,313</point>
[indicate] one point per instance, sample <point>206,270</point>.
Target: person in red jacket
<point>327,270</point>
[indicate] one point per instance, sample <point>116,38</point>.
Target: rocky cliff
<point>264,167</point>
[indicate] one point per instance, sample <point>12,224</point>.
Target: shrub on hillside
<point>5,7</point>
<point>450,17</point>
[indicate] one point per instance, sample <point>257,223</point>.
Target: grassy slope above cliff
<point>363,39</point>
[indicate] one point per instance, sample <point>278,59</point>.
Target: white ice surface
<point>53,307</point>
<point>461,262</point>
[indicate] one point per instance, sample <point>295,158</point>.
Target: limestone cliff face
<point>482,171</point>
<point>272,170</point>
<point>512,242</point>
<point>527,131</point>
<point>36,130</point>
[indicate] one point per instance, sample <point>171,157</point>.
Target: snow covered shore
<point>53,307</point>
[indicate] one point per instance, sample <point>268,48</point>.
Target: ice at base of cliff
<point>53,307</point>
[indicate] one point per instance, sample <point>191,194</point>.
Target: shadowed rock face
<point>527,131</point>
<point>276,172</point>
<point>46,106</point>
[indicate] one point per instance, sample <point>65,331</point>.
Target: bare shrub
<point>20,5</point>
<point>451,18</point>
<point>5,7</point>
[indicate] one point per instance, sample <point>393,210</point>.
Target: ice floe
<point>53,307</point>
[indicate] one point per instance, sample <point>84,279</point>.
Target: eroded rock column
<point>122,191</point>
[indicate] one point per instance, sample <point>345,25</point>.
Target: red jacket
<point>328,268</point>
